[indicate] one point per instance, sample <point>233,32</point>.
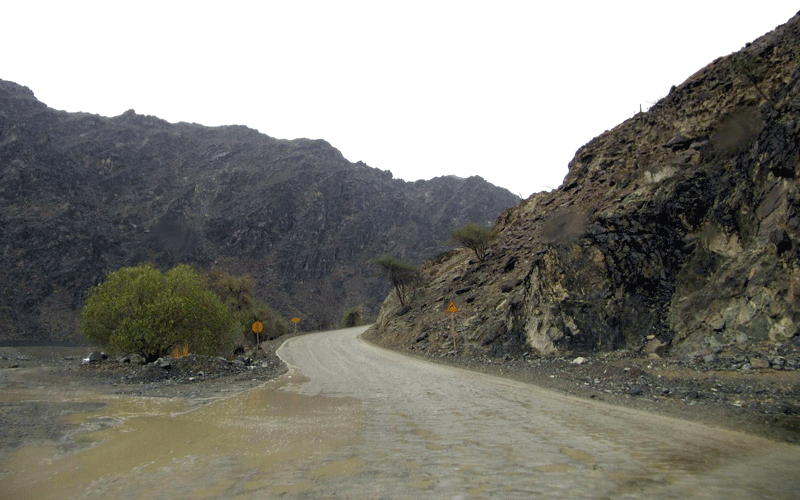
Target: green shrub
<point>274,325</point>
<point>237,293</point>
<point>142,310</point>
<point>474,237</point>
<point>352,317</point>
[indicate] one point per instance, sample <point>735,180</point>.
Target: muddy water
<point>354,421</point>
<point>157,448</point>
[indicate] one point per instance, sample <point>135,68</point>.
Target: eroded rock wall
<point>676,230</point>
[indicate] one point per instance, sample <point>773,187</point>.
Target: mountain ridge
<point>82,195</point>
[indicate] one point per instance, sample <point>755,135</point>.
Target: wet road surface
<point>351,420</point>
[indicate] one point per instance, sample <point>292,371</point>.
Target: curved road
<point>351,420</point>
<point>439,432</point>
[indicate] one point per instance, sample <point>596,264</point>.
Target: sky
<point>507,90</point>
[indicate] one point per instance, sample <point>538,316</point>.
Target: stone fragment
<point>678,143</point>
<point>510,285</point>
<point>579,360</point>
<point>654,346</point>
<point>636,390</point>
<point>756,363</point>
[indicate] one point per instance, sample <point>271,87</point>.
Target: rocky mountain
<point>82,195</point>
<point>677,231</point>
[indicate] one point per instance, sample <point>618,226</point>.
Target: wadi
<point>633,333</point>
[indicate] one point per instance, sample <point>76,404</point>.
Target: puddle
<point>228,447</point>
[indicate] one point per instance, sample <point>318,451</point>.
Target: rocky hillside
<point>81,195</point>
<point>677,231</point>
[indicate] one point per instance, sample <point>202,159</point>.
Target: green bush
<point>274,325</point>
<point>237,293</point>
<point>142,310</point>
<point>474,237</point>
<point>352,317</point>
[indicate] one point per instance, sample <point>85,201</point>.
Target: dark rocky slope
<point>677,232</point>
<point>81,195</point>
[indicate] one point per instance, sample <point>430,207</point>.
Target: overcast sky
<point>507,90</point>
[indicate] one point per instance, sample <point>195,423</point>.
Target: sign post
<point>452,310</point>
<point>295,321</point>
<point>258,327</point>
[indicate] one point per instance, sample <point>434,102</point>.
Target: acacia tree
<point>142,310</point>
<point>474,237</point>
<point>237,293</point>
<point>401,274</point>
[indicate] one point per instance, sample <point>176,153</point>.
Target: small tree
<point>401,274</point>
<point>352,317</point>
<point>474,237</point>
<point>237,293</point>
<point>141,310</point>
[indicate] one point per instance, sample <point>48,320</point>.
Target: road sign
<point>258,327</point>
<point>295,320</point>
<point>452,308</point>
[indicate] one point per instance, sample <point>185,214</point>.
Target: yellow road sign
<point>258,327</point>
<point>452,308</point>
<point>295,320</point>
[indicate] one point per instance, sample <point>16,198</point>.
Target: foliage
<point>274,325</point>
<point>180,352</point>
<point>237,293</point>
<point>352,317</point>
<point>142,310</point>
<point>401,274</point>
<point>474,237</point>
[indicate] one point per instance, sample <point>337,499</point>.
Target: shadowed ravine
<point>352,420</point>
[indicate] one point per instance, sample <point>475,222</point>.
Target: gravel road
<point>351,420</point>
<point>440,432</point>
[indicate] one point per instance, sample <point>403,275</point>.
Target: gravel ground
<point>720,389</point>
<point>720,392</point>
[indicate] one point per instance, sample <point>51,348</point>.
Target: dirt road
<point>441,432</point>
<point>351,420</point>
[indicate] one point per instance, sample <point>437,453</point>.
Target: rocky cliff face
<point>81,195</point>
<point>678,230</point>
